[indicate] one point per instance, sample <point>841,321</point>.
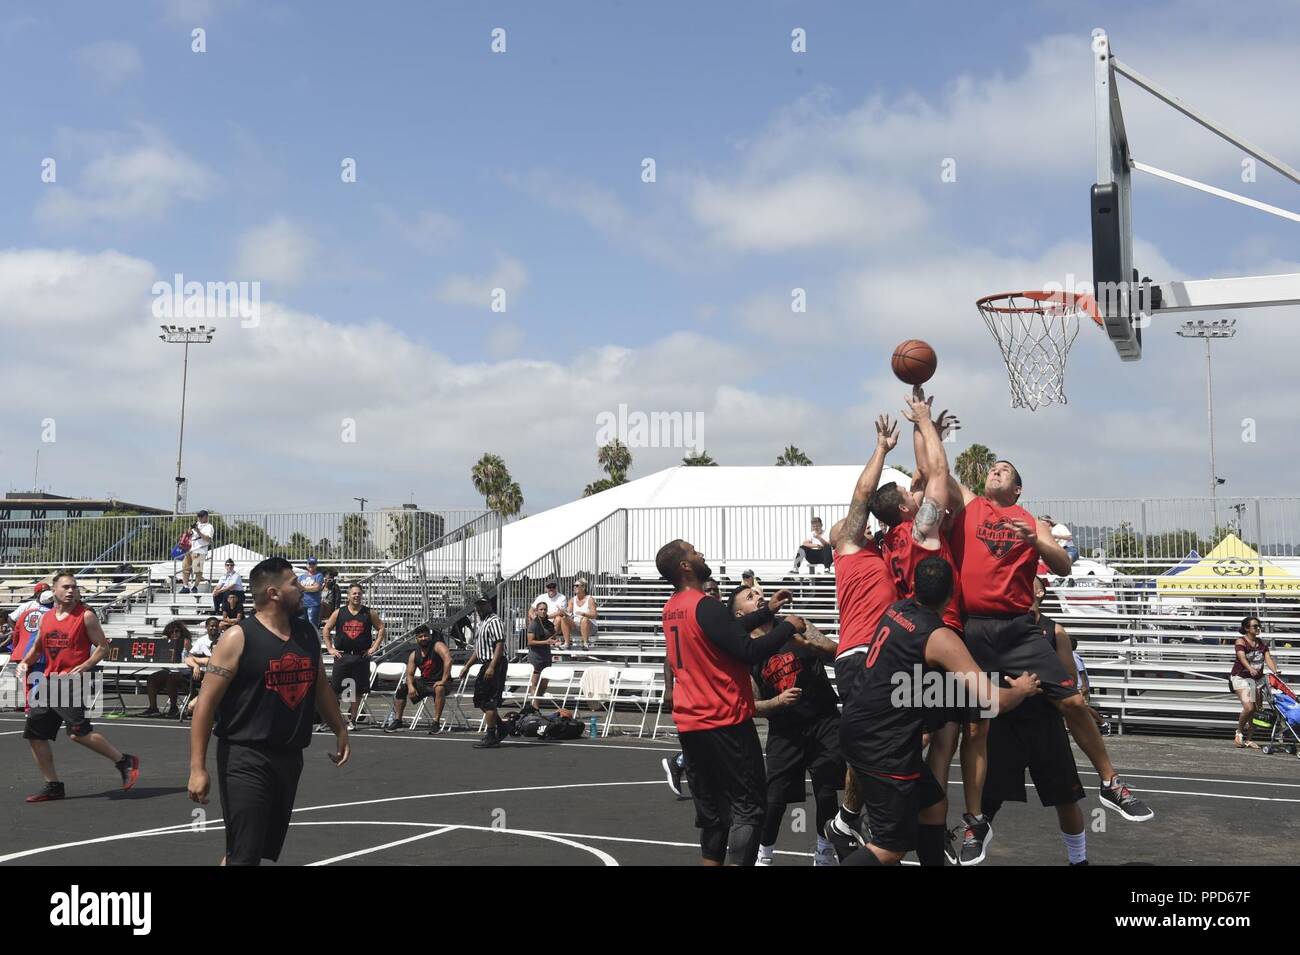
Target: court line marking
<point>570,744</point>
<point>11,733</point>
<point>143,833</point>
<point>381,848</point>
<point>1171,792</point>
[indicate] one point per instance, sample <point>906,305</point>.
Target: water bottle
<point>592,727</point>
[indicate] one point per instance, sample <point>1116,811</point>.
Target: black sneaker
<point>129,767</point>
<point>950,852</point>
<point>51,792</point>
<point>172,713</point>
<point>489,741</point>
<point>674,775</point>
<point>1117,796</point>
<point>975,840</point>
<point>151,711</point>
<point>392,725</point>
<point>845,840</point>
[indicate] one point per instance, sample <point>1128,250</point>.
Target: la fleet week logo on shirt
<point>353,629</point>
<point>782,671</point>
<point>291,677</point>
<point>998,536</point>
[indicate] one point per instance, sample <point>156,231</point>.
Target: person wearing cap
<point>26,621</point>
<point>557,611</point>
<point>747,579</point>
<point>312,583</point>
<point>201,533</point>
<point>1062,535</point>
<point>231,583</point>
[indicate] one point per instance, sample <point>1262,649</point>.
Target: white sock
<point>1076,846</point>
<point>766,851</point>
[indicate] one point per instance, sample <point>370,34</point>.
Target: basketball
<point>914,362</point>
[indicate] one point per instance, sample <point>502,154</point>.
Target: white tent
<point>680,487</point>
<point>214,565</point>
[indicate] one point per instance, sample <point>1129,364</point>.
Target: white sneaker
<point>763,860</point>
<point>825,855</point>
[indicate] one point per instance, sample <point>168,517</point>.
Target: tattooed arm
<point>851,534</point>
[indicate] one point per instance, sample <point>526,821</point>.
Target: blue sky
<point>522,170</point>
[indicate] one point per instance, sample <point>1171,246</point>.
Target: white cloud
<point>276,251</point>
<point>109,61</point>
<point>127,182</point>
<point>428,230</point>
<point>505,340</point>
<point>475,291</point>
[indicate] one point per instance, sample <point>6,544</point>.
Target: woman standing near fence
<point>1248,679</point>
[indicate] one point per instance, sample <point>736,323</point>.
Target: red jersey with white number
<point>863,590</point>
<point>65,641</point>
<point>710,688</point>
<point>996,567</point>
<point>903,553</point>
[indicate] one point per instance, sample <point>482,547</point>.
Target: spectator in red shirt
<point>1247,678</point>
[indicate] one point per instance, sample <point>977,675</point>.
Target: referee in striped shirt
<point>490,683</point>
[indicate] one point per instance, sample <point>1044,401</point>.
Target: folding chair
<point>555,677</point>
<point>595,687</point>
<point>461,676</point>
<point>390,674</point>
<point>637,688</point>
<point>363,711</point>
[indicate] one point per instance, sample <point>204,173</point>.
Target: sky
<point>508,146</point>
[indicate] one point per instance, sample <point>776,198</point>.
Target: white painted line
<point>10,733</point>
<point>386,845</point>
<point>1175,792</point>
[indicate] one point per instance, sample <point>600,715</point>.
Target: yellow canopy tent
<point>1232,567</point>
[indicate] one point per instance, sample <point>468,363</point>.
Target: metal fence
<point>598,554</point>
<point>747,534</point>
<point>363,537</point>
<point>438,580</point>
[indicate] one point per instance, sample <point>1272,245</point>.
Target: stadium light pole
<point>187,336</point>
<point>1221,328</point>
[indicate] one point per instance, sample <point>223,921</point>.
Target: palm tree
<point>492,479</point>
<point>972,466</point>
<point>793,457</point>
<point>615,460</point>
<point>595,487</point>
<point>701,459</point>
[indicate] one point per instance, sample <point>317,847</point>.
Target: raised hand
<point>886,433</point>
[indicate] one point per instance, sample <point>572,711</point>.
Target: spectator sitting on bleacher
<point>198,657</point>
<point>177,636</point>
<point>541,637</point>
<point>428,671</point>
<point>747,579</point>
<point>583,613</point>
<point>231,583</point>
<point>201,533</point>
<point>557,609</point>
<point>815,550</point>
<point>231,613</point>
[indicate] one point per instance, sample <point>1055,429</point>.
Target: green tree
<point>615,460</point>
<point>972,466</point>
<point>354,538</point>
<point>700,459</point>
<point>492,479</point>
<point>410,529</point>
<point>595,487</point>
<point>251,535</point>
<point>299,546</point>
<point>507,500</point>
<point>793,457</point>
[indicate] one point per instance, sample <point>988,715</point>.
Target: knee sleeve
<point>713,844</point>
<point>742,844</point>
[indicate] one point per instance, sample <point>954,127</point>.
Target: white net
<point>1035,331</point>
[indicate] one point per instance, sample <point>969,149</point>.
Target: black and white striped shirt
<point>489,632</point>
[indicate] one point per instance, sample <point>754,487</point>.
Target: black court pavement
<point>415,799</point>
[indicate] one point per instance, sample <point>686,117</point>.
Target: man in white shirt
<point>557,610</point>
<point>201,532</point>
<point>231,582</point>
<point>26,621</point>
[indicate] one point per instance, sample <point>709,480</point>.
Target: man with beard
<point>263,681</point>
<point>428,671</point>
<point>713,704</point>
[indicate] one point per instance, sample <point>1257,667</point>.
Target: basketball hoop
<point>1035,331</point>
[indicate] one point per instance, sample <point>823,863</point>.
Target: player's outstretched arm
<point>727,634</point>
<point>854,529</point>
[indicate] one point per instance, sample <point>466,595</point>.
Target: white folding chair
<point>635,687</point>
<point>363,711</point>
<point>386,676</point>
<point>555,678</point>
<point>596,687</point>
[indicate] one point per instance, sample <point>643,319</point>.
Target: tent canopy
<point>1231,567</point>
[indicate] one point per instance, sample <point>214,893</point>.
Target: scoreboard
<point>141,650</point>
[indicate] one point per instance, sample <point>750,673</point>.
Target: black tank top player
<point>881,725</point>
<point>428,664</point>
<point>352,630</point>
<point>271,699</point>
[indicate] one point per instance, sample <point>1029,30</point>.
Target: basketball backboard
<point>1126,300</point>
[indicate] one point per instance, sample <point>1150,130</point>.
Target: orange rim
<point>1084,302</point>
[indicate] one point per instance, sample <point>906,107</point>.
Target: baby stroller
<point>1281,710</point>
